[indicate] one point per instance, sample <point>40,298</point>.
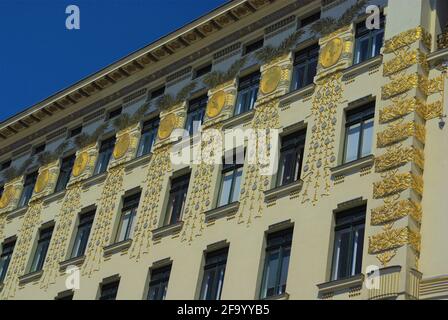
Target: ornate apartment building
<point>356,209</point>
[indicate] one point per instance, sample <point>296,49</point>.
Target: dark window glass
<point>291,158</point>
<point>66,295</point>
<point>247,92</point>
<point>157,93</point>
<point>2,188</point>
<point>149,133</point>
<point>214,270</point>
<point>5,165</point>
<point>203,70</point>
<point>75,131</point>
<point>278,250</point>
<point>309,19</point>
<point>65,172</point>
<point>176,202</point>
<point>231,179</point>
<point>254,46</point>
<point>158,285</point>
<point>41,250</point>
<point>28,187</point>
<point>368,42</point>
<point>115,113</point>
<point>109,290</point>
<point>104,155</point>
<point>82,236</point>
<point>39,149</point>
<point>348,243</point>
<point>305,66</point>
<point>195,114</point>
<point>359,132</point>
<point>5,258</point>
<point>128,220</point>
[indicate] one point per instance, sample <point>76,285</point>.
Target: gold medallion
<point>80,163</point>
<point>42,181</point>
<point>7,196</point>
<point>167,125</point>
<point>331,53</point>
<point>271,79</point>
<point>122,146</point>
<point>216,103</point>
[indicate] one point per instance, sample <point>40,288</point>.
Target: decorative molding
<point>394,239</point>
<point>399,131</point>
<point>407,38</point>
<point>405,59</point>
<point>397,182</point>
<point>398,155</point>
<point>394,210</point>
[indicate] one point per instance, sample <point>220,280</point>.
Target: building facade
<point>354,210</point>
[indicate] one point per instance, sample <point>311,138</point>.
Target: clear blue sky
<point>39,56</point>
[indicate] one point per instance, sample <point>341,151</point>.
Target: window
<point>82,236</point>
<point>176,202</point>
<point>104,155</point>
<point>5,258</point>
<point>158,285</point>
<point>28,187</point>
<point>41,250</point>
<point>39,149</point>
<point>291,157</point>
<point>247,92</point>
<point>2,188</point>
<point>65,295</point>
<point>114,113</point>
<point>253,46</point>
<point>157,93</point>
<point>195,114</point>
<point>5,165</point>
<point>359,132</point>
<point>348,243</point>
<point>109,290</point>
<point>231,179</point>
<point>278,250</point>
<point>214,270</point>
<point>368,42</point>
<point>309,19</point>
<point>75,131</point>
<point>127,220</point>
<point>202,71</point>
<point>149,133</point>
<point>65,172</point>
<point>305,66</point>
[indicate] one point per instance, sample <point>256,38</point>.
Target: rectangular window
<point>109,290</point>
<point>157,93</point>
<point>82,236</point>
<point>128,220</point>
<point>5,258</point>
<point>214,270</point>
<point>309,19</point>
<point>158,285</point>
<point>75,131</point>
<point>291,158</point>
<point>114,113</point>
<point>202,71</point>
<point>278,250</point>
<point>149,133</point>
<point>247,92</point>
<point>348,243</point>
<point>176,202</point>
<point>41,250</point>
<point>104,155</point>
<point>5,165</point>
<point>231,179</point>
<point>65,172</point>
<point>359,132</point>
<point>305,66</point>
<point>2,188</point>
<point>368,42</point>
<point>65,295</point>
<point>195,114</point>
<point>253,46</point>
<point>28,187</point>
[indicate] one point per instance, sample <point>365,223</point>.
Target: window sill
<point>139,161</point>
<point>353,166</point>
<point>17,213</point>
<point>54,197</point>
<point>297,94</point>
<point>167,230</point>
<point>76,261</point>
<point>221,212</point>
<point>30,277</point>
<point>332,287</point>
<point>96,179</point>
<point>239,119</point>
<point>282,191</point>
<point>362,67</point>
<point>117,247</point>
<point>283,296</point>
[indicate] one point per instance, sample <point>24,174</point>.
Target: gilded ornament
<point>271,79</point>
<point>216,103</point>
<point>395,210</point>
<point>80,163</point>
<point>399,131</point>
<point>397,156</point>
<point>386,256</point>
<point>331,52</point>
<point>390,239</point>
<point>42,180</point>
<point>167,125</point>
<point>122,146</point>
<point>407,38</point>
<point>404,60</point>
<point>7,196</point>
<point>396,183</point>
<point>430,111</point>
<point>400,85</point>
<point>400,108</point>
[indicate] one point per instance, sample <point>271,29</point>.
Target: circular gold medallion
<point>167,125</point>
<point>122,146</point>
<point>80,163</point>
<point>271,80</point>
<point>7,195</point>
<point>331,52</point>
<point>216,103</point>
<point>42,181</point>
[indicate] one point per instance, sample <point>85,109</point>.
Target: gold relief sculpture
<point>167,125</point>
<point>407,38</point>
<point>271,79</point>
<point>399,108</point>
<point>7,196</point>
<point>331,52</point>
<point>80,163</point>
<point>394,209</point>
<point>400,85</point>
<point>393,239</point>
<point>396,183</point>
<point>385,257</point>
<point>122,146</point>
<point>403,60</point>
<point>2,224</point>
<point>430,111</point>
<point>216,103</point>
<point>398,155</point>
<point>42,180</point>
<point>432,86</point>
<point>399,131</point>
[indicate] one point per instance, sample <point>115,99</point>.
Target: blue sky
<point>39,56</point>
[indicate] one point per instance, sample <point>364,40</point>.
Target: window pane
<point>226,185</point>
<point>213,278</point>
<point>237,185</point>
<point>367,138</point>
<point>352,143</point>
<point>340,259</point>
<point>284,271</point>
<point>361,51</point>
<point>271,270</point>
<point>357,250</point>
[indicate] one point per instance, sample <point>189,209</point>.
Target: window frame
<point>130,207</point>
<point>149,127</point>
<point>156,282</point>
<point>43,244</point>
<point>28,188</point>
<point>196,107</point>
<point>115,285</point>
<point>221,257</point>
<point>107,147</point>
<point>10,245</point>
<point>247,84</point>
<point>295,142</point>
<point>67,170</point>
<point>86,220</point>
<point>362,33</point>
<point>253,46</point>
<point>178,186</point>
<point>233,167</point>
<point>305,57</point>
